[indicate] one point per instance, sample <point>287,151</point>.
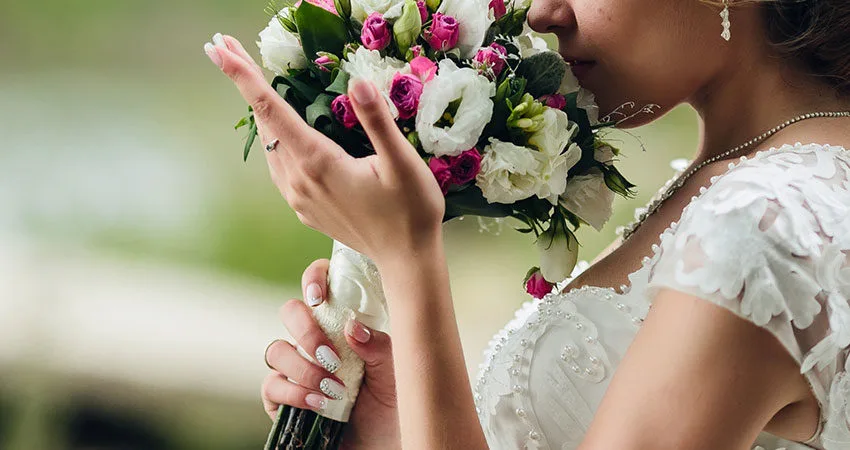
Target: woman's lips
<point>581,68</point>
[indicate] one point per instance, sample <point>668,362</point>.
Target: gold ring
<point>266,354</point>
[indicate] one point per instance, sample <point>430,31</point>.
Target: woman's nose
<point>547,16</point>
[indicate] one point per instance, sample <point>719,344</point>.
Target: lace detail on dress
<point>770,241</point>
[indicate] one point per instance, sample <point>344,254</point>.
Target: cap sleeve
<point>770,244</point>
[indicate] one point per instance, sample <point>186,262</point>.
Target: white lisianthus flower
<point>360,9</point>
<point>473,114</point>
<point>604,154</point>
<point>587,101</point>
<point>370,65</point>
<point>569,83</point>
<point>474,19</point>
<point>589,198</point>
<point>280,49</point>
<point>558,254</point>
<point>551,140</point>
<point>509,173</point>
<point>529,45</point>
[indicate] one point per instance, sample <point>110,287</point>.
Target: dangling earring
<point>727,26</point>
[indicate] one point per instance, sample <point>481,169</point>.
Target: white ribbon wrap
<point>355,291</point>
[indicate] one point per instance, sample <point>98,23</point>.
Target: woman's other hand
<point>297,381</point>
<point>386,206</point>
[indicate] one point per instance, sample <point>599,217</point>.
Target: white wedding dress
<point>769,240</point>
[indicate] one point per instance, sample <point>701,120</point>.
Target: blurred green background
<point>142,263</point>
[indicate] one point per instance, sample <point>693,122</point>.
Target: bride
<point>719,321</point>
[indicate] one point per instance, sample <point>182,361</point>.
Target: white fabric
<point>769,240</point>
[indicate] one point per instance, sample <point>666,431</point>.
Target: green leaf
<point>320,30</point>
<point>407,28</point>
<point>618,183</point>
<point>252,134</point>
<point>471,202</point>
<point>307,92</point>
<point>340,83</point>
<point>282,89</point>
<point>242,122</point>
<point>544,72</point>
<point>343,7</point>
<point>320,108</point>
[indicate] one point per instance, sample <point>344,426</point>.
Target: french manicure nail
<point>364,93</point>
<point>316,401</point>
<point>211,51</point>
<point>327,358</point>
<point>332,388</point>
<point>314,294</point>
<point>358,331</point>
<point>218,40</point>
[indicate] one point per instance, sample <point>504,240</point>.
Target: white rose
<point>558,254</point>
<point>509,173</point>
<point>473,114</point>
<point>280,49</point>
<point>360,9</point>
<point>370,65</point>
<point>589,198</point>
<point>474,19</point>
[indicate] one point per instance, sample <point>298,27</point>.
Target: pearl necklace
<point>680,181</point>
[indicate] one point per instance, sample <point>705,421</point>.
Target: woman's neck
<point>756,96</point>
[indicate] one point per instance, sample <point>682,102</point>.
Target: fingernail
<point>332,389</point>
<point>218,40</point>
<point>316,401</point>
<point>327,358</point>
<point>210,50</point>
<point>314,294</point>
<point>358,331</point>
<point>363,92</point>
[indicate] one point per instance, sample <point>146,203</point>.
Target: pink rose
<point>344,111</point>
<point>376,32</point>
<point>416,50</point>
<point>556,101</point>
<point>465,167</point>
<point>498,7</point>
<point>537,286</point>
<point>493,57</point>
<point>423,68</point>
<point>404,93</point>
<point>423,10</point>
<point>440,168</point>
<point>443,33</point>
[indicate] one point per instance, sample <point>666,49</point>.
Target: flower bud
<point>498,7</point>
<point>556,101</point>
<point>423,10</point>
<point>344,111</point>
<point>443,33</point>
<point>536,285</point>
<point>327,61</point>
<point>407,27</point>
<point>376,32</point>
<point>558,253</point>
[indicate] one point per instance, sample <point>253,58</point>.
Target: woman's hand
<point>384,205</point>
<point>297,381</point>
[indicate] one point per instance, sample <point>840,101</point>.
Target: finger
<point>314,282</point>
<point>270,110</point>
<point>375,116</point>
<point>235,46</point>
<point>277,390</point>
<point>299,321</point>
<point>284,358</point>
<point>375,349</point>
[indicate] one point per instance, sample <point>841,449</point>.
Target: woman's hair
<point>815,33</point>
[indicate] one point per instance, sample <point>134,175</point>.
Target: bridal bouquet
<point>498,118</point>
